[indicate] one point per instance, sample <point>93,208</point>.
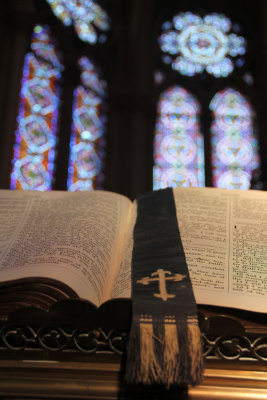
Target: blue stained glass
<point>178,144</point>
<point>86,15</point>
<point>195,44</point>
<point>35,141</point>
<point>234,145</point>
<point>87,137</point>
<point>44,49</point>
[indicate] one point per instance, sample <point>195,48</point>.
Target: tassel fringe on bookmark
<point>164,344</point>
<point>195,351</point>
<point>179,361</point>
<point>171,356</point>
<point>142,363</point>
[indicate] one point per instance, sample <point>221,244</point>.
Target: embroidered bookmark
<point>164,344</point>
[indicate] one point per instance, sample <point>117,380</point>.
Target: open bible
<point>59,245</point>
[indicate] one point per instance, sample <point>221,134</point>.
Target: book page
<point>224,235</point>
<point>71,237</point>
<point>122,286</point>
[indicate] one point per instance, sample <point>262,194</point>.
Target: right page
<point>224,235</point>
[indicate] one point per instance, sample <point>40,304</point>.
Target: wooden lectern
<point>57,361</point>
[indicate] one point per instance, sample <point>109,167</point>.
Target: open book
<point>55,245</point>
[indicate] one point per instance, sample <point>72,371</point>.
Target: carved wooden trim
<point>53,361</point>
<point>236,344</point>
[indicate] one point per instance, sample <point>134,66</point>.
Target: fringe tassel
<point>171,356</point>
<point>195,351</point>
<point>183,360</point>
<point>150,369</point>
<point>132,373</point>
<point>142,362</point>
<point>181,349</point>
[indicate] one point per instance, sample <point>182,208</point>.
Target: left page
<point>122,284</point>
<point>70,237</point>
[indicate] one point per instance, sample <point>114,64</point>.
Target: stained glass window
<point>35,140</point>
<point>89,19</point>
<point>178,144</point>
<point>87,137</point>
<point>234,146</point>
<point>192,44</point>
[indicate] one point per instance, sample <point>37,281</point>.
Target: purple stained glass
<point>178,144</point>
<point>35,141</point>
<point>87,137</point>
<point>195,44</point>
<point>86,15</point>
<point>234,145</point>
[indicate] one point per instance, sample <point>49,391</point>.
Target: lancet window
<point>35,141</point>
<point>87,143</point>
<point>178,144</point>
<point>38,128</point>
<point>234,146</point>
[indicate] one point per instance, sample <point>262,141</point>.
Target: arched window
<point>178,144</point>
<point>234,146</point>
<point>202,50</point>
<point>87,137</point>
<point>39,136</point>
<point>200,47</point>
<point>35,142</point>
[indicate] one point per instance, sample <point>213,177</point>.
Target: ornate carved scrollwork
<point>57,339</point>
<point>234,344</point>
<point>17,337</point>
<point>235,348</point>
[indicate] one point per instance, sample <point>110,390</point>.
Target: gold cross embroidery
<point>162,278</point>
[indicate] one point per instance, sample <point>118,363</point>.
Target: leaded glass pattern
<point>35,138</point>
<point>178,144</point>
<point>234,146</point>
<point>89,19</point>
<point>87,136</point>
<point>192,44</point>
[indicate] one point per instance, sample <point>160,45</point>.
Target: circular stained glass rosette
<point>172,177</point>
<point>234,179</point>
<point>234,152</point>
<point>196,44</point>
<point>203,44</point>
<point>177,150</point>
